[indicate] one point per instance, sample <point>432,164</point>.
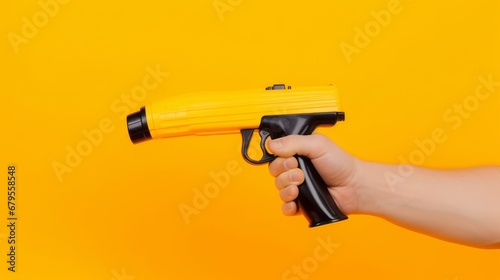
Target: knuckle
<point>277,184</point>
<point>276,167</point>
<point>289,193</point>
<point>280,181</point>
<point>285,208</point>
<point>290,163</point>
<point>273,169</point>
<point>288,208</point>
<point>283,195</point>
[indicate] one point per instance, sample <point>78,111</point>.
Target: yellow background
<point>116,214</point>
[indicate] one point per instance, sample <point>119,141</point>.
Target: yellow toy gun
<point>243,112</point>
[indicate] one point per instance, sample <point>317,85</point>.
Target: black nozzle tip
<point>138,129</point>
<point>340,116</point>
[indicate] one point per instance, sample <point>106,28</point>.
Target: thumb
<point>311,146</point>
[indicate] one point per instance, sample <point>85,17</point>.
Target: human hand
<point>337,168</point>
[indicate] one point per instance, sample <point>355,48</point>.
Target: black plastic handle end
<point>314,199</point>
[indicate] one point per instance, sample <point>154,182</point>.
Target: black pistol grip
<point>314,200</point>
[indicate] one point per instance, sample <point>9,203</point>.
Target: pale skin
<point>460,206</point>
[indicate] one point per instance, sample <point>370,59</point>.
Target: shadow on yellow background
<point>91,205</point>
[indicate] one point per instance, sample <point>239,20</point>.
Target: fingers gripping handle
<point>314,199</point>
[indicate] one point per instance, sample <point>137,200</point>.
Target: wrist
<point>372,190</point>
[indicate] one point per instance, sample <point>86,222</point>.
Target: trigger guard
<point>247,137</point>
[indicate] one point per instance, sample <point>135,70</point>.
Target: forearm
<point>461,206</point>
